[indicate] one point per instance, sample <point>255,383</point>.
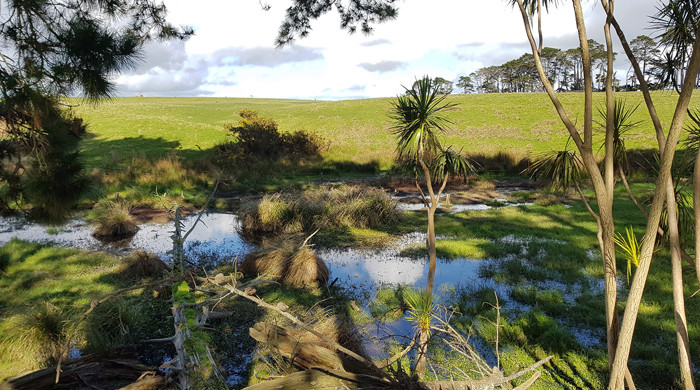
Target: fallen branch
<point>281,309</point>
<point>399,355</point>
<point>529,382</point>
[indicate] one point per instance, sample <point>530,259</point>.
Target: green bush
<point>258,139</point>
<point>55,180</point>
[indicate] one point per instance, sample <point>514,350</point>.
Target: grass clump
<point>113,220</point>
<point>323,208</point>
<point>44,289</point>
<point>291,266</point>
<point>43,334</point>
<point>141,264</point>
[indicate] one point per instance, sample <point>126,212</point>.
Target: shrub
<point>257,136</point>
<point>501,162</point>
<point>54,181</point>
<point>258,139</point>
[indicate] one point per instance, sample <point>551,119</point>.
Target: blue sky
<point>233,53</point>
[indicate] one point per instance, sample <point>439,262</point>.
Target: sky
<point>233,53</point>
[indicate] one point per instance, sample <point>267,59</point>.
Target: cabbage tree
<point>419,117</point>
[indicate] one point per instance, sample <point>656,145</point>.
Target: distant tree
<point>443,86</point>
<point>478,80</point>
<point>440,84</point>
<point>60,48</point>
<point>644,49</point>
<point>466,84</point>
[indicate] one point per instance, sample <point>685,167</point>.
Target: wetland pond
<point>362,272</point>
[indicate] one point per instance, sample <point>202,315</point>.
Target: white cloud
<point>233,52</point>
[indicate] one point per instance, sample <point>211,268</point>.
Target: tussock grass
<point>113,219</point>
<point>146,182</point>
<point>44,333</point>
<point>323,208</point>
<point>43,287</point>
<point>288,264</point>
<point>141,264</point>
<point>114,323</point>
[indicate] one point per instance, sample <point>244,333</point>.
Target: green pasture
<point>358,130</point>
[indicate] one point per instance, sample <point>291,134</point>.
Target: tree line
<point>564,69</point>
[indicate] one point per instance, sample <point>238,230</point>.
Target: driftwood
<point>111,369</point>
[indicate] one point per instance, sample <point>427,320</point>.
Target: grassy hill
<point>358,130</point>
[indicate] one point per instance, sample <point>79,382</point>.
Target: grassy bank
<point>42,288</point>
<point>358,130</point>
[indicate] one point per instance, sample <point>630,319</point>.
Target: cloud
<point>356,88</point>
<point>470,44</point>
<point>168,56</point>
<point>381,66</point>
<point>265,56</point>
<point>375,42</point>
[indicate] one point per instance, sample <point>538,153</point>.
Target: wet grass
<point>61,283</point>
<point>546,256</point>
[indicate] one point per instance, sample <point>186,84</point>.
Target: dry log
<point>105,370</point>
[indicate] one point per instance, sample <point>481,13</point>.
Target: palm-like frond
<point>421,307</point>
<point>630,247</point>
<point>693,129</point>
<point>677,22</point>
<point>419,119</point>
<point>531,5</point>
<point>622,123</point>
<point>683,193</point>
<point>450,162</point>
<point>559,169</point>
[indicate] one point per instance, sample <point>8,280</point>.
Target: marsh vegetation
<point>358,278</point>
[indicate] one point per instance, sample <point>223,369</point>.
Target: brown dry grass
<point>142,264</point>
<point>327,207</point>
<point>296,268</point>
<point>113,220</point>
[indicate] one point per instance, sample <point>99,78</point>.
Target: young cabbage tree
<point>419,116</point>
<point>619,341</point>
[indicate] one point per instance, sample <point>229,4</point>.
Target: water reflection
<point>216,234</point>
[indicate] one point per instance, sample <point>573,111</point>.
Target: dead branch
<point>529,382</point>
<point>399,355</point>
<point>281,309</point>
